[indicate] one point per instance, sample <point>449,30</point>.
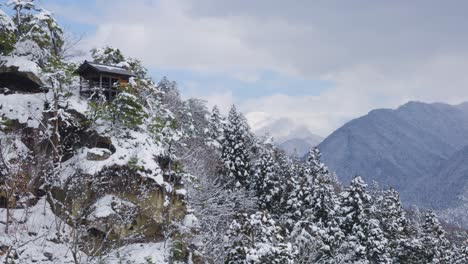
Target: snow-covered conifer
<point>266,182</point>
<point>354,204</point>
<point>235,149</point>
<point>313,165</point>
<point>257,239</point>
<point>107,55</point>
<point>462,256</point>
<point>436,247</point>
<point>215,130</point>
<point>392,221</point>
<point>364,240</point>
<point>7,33</point>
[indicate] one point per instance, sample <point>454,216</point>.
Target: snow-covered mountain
<point>290,136</point>
<point>417,148</point>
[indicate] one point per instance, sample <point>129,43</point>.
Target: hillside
<point>402,148</point>
<point>100,164</point>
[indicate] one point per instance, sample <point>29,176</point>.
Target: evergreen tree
<point>376,243</point>
<point>256,239</point>
<point>462,256</point>
<point>355,202</point>
<point>296,194</point>
<point>299,198</point>
<point>32,33</point>
<point>313,165</point>
<point>198,113</point>
<point>393,222</point>
<point>7,33</point>
<point>107,55</point>
<point>436,248</point>
<point>126,109</point>
<point>324,202</point>
<point>318,225</point>
<point>364,240</point>
<point>215,130</point>
<point>235,149</point>
<point>266,182</point>
<point>324,212</point>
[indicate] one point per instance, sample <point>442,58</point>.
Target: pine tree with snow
<point>298,199</point>
<point>324,202</point>
<point>364,240</point>
<point>376,244</point>
<point>107,55</point>
<point>324,212</point>
<point>7,33</point>
<point>355,202</point>
<point>235,149</point>
<point>126,109</point>
<point>462,256</point>
<point>317,232</point>
<point>284,169</point>
<point>296,193</point>
<point>39,36</point>
<point>393,221</point>
<point>266,182</point>
<point>313,165</point>
<point>256,239</point>
<point>436,247</point>
<point>215,130</point>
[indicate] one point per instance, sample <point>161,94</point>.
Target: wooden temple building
<point>101,77</point>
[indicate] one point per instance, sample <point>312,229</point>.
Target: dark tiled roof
<point>103,68</point>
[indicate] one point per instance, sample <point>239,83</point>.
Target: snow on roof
<point>108,69</point>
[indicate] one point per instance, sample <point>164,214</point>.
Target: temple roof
<point>103,68</point>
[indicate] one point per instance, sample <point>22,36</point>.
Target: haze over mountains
<point>419,149</point>
<point>290,136</point>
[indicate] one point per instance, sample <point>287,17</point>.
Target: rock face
<point>119,204</point>
<point>139,209</point>
<point>14,80</point>
<point>406,148</point>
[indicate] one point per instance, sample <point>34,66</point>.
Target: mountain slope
<point>398,148</point>
<point>449,184</point>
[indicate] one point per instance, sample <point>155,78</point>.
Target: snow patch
<point>21,62</point>
<point>107,206</point>
<point>26,108</point>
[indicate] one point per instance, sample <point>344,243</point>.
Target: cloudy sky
<point>320,63</point>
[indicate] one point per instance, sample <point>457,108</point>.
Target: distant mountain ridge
<point>418,148</point>
<point>293,138</point>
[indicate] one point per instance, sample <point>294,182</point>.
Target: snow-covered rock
<point>98,154</point>
<point>19,74</point>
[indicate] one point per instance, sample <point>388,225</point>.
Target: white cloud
<point>378,55</point>
<point>166,37</point>
<point>362,88</point>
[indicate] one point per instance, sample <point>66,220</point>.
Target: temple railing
<point>92,88</point>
